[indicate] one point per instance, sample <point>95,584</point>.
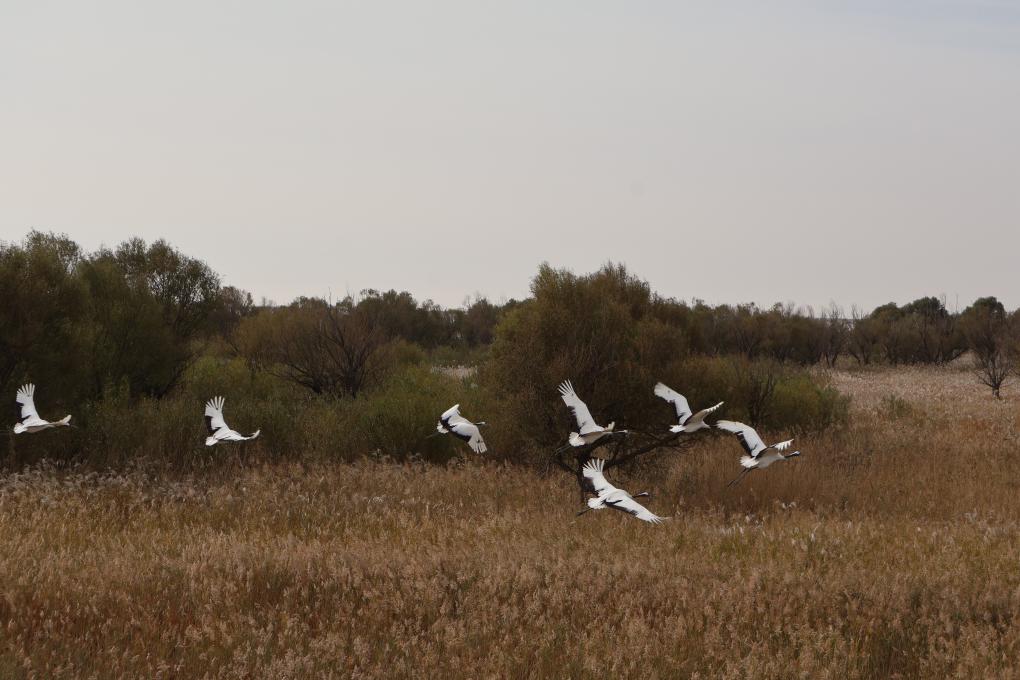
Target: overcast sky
<point>859,152</point>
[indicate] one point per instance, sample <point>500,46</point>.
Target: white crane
<point>588,431</point>
<point>30,420</point>
<point>608,496</point>
<point>454,423</point>
<point>219,431</point>
<point>759,456</point>
<point>687,421</point>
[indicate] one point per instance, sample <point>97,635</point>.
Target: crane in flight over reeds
<point>29,420</point>
<point>758,455</point>
<point>608,496</point>
<point>687,421</point>
<point>588,431</point>
<point>452,422</point>
<point>219,431</point>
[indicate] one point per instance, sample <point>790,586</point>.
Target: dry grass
<point>887,550</point>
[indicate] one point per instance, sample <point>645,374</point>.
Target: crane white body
<point>764,460</point>
<point>452,422</point>
<point>687,421</point>
<point>29,420</point>
<point>759,455</point>
<point>609,496</point>
<point>588,431</point>
<point>219,431</point>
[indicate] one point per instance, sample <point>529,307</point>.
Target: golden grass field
<point>890,549</point>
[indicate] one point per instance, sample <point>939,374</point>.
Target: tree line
<point>144,322</point>
<point>139,314</point>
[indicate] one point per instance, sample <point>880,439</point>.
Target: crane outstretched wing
<point>26,398</point>
<point>228,435</point>
<point>214,415</point>
<point>679,401</point>
<point>749,439</point>
<point>219,431</point>
<point>592,471</point>
<point>703,413</point>
<point>631,506</point>
<point>585,423</point>
<point>782,446</point>
<point>451,417</point>
<point>469,432</point>
<point>454,423</point>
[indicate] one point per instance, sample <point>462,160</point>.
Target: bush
<point>596,330</point>
<point>804,402</point>
<point>122,342</point>
<point>398,418</point>
<point>233,378</point>
<point>761,392</point>
<point>606,333</point>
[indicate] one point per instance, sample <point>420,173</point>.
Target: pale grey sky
<point>860,152</point>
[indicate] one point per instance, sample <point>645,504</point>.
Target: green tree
<point>597,330</point>
<point>151,306</point>
<point>43,304</point>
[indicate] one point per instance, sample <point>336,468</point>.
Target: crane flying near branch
<point>687,421</point>
<point>588,431</point>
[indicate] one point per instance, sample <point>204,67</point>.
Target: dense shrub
<point>921,332</point>
<point>43,306</point>
<point>603,332</point>
<point>399,418</point>
<point>582,328</point>
<point>761,392</point>
<point>133,340</point>
<point>80,323</point>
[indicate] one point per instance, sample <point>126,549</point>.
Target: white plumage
<point>758,455</point>
<point>608,496</point>
<point>29,420</point>
<point>687,421</point>
<point>454,423</point>
<point>588,431</point>
<point>219,431</point>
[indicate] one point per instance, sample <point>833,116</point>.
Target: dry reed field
<point>889,549</point>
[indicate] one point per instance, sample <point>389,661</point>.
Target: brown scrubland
<point>891,548</point>
<point>345,542</point>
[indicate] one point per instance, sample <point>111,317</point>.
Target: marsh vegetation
<point>345,542</point>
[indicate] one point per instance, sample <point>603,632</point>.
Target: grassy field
<point>890,549</point>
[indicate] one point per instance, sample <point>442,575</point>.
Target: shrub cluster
<point>608,332</point>
<point>133,340</point>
